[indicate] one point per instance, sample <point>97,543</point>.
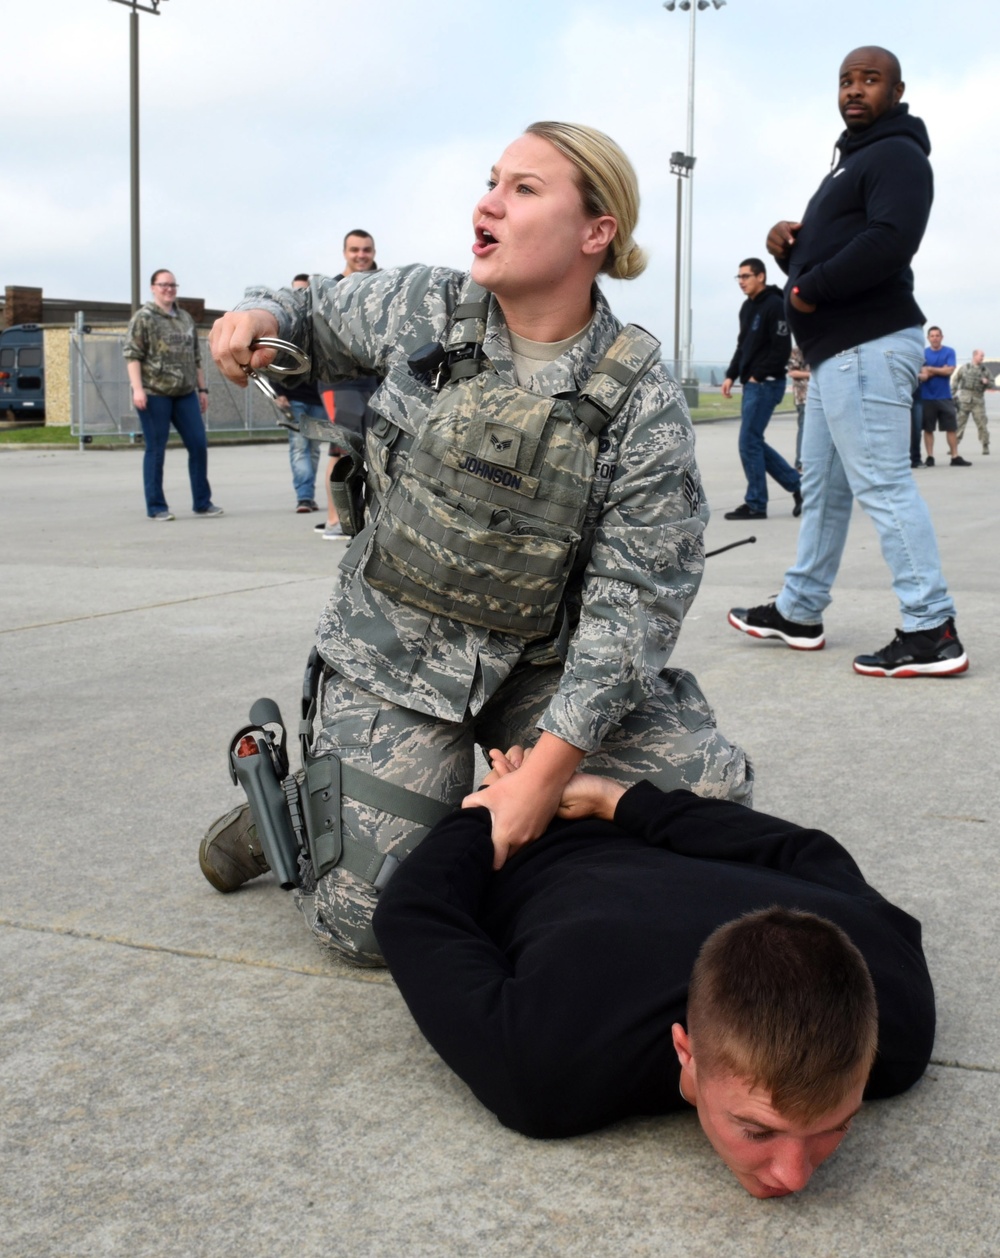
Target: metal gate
<point>101,396</point>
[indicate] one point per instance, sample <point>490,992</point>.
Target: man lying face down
<point>652,951</point>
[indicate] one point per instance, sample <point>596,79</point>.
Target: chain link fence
<point>101,397</point>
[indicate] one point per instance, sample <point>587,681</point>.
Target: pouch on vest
<point>347,485</point>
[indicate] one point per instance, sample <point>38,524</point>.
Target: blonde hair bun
<point>608,185</point>
<point>629,263</point>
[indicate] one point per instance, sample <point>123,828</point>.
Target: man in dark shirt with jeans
<point>760,363</point>
<point>302,401</point>
<point>557,987</point>
<point>850,303</point>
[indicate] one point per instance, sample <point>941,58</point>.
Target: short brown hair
<point>783,1000</point>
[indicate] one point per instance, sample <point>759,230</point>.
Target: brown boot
<point>230,853</point>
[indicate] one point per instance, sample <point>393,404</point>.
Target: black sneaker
<point>797,499</point>
<point>929,461</point>
<point>767,622</point>
<point>929,653</point>
<point>745,512</point>
<point>958,461</point>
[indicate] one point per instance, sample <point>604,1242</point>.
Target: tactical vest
<point>968,379</point>
<point>483,519</point>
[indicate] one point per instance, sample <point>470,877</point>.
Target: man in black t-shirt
<point>302,401</point>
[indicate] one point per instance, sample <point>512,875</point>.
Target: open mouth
<point>485,240</point>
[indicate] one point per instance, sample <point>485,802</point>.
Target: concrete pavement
<point>187,1073</point>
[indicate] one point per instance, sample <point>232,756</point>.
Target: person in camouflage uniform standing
<point>163,360</point>
<point>409,690</point>
<point>969,385</point>
<point>798,373</point>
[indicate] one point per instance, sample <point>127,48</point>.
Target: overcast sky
<point>269,129</point>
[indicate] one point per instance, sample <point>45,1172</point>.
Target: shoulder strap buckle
<point>633,353</point>
<point>465,334</point>
<point>459,354</point>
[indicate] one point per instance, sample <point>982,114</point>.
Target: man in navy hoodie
<point>850,303</point>
<point>759,363</point>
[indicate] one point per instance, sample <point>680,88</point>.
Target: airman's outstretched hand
<point>230,340</point>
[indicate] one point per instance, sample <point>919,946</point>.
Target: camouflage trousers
<point>672,741</point>
<point>973,404</point>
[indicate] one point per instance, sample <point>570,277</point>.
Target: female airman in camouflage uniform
<point>411,690</point>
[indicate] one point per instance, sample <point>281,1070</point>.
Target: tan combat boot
<point>230,853</point>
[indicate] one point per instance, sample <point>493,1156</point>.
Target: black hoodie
<point>851,257</point>
<point>764,345</point>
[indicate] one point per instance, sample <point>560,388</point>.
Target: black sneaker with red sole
<point>928,653</point>
<point>767,622</point>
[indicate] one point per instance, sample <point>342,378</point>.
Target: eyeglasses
<point>158,285</point>
<point>749,276</point>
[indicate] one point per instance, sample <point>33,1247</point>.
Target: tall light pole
<point>154,8</point>
<point>682,165</point>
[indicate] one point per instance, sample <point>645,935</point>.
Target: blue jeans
<point>758,458</point>
<point>185,415</point>
<point>856,444</point>
<point>303,453</point>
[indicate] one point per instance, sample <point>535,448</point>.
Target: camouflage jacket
<point>642,547</point>
<point>971,379</point>
<point>167,346</point>
<point>800,388</point>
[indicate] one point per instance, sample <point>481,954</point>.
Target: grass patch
<point>715,406</point>
<point>62,435</point>
<point>31,435</point>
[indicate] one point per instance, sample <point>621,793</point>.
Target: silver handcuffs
<point>284,347</point>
